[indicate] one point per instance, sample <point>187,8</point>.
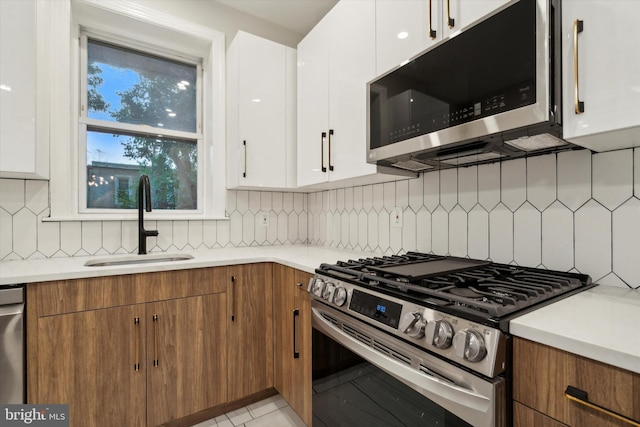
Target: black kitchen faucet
<point>144,198</point>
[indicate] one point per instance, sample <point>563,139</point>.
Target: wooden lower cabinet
<point>188,371</point>
<point>119,366</point>
<point>541,375</point>
<point>292,339</point>
<point>88,360</point>
<point>249,329</point>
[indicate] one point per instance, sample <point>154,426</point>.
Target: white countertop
<point>302,257</point>
<point>600,323</point>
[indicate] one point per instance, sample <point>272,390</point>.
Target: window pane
<point>131,87</point>
<point>115,163</point>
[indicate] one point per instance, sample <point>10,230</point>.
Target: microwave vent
<point>542,141</point>
<point>473,158</point>
<point>413,165</point>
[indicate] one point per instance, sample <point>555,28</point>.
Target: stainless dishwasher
<point>12,346</point>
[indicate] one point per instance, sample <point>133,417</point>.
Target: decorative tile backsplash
<point>24,236</point>
<point>572,211</point>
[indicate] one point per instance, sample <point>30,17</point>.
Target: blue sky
<point>104,147</point>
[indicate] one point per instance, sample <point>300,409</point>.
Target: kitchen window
<point>140,112</point>
<point>144,93</point>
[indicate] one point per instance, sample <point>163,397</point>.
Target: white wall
<point>224,19</point>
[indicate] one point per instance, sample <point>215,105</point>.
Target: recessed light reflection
<point>5,87</point>
<point>403,35</point>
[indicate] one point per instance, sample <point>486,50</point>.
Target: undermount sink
<point>136,259</point>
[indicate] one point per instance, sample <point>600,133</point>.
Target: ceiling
<point>299,16</point>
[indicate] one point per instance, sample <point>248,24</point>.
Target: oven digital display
<point>376,308</point>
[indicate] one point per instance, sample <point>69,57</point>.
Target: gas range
<point>455,308</point>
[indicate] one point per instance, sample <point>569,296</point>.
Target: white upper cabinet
<point>24,124</point>
<point>404,28</point>
<point>261,113</point>
<point>335,62</point>
<point>603,59</point>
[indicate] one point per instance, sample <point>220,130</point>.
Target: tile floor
<point>270,412</point>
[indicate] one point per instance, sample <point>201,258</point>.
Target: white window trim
<point>146,26</point>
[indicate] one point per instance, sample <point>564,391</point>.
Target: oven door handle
<point>477,400</point>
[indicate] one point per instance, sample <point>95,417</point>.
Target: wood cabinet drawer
<point>68,296</point>
<point>541,374</point>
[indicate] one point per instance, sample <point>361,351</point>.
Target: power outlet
<point>263,219</point>
<point>396,217</point>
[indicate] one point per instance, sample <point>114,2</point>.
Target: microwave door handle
<point>450,20</point>
<point>577,28</point>
<point>432,32</point>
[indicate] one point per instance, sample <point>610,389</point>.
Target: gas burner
<point>465,293</point>
<point>479,288</point>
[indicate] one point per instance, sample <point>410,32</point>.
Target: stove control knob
<point>469,345</point>
<point>340,296</point>
<point>439,334</point>
<point>317,287</point>
<point>327,292</point>
<point>413,324</point>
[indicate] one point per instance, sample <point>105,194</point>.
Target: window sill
<point>148,216</point>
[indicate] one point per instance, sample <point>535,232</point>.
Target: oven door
<point>438,393</point>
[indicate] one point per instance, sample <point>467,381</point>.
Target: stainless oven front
<point>388,382</point>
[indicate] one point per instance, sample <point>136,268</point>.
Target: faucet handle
<point>151,233</point>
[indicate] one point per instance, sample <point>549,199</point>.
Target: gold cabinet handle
<point>244,174</point>
<point>432,32</point>
<point>577,28</point>
<point>136,323</point>
<point>330,165</point>
<point>156,361</point>
<point>582,397</point>
<point>450,20</point>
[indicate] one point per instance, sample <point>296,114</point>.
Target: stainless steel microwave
<point>490,92</point>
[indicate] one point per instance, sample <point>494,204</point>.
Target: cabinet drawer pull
<point>244,174</point>
<point>582,397</point>
<point>450,20</point>
<point>323,136</point>
<point>156,362</point>
<point>577,28</point>
<point>233,299</point>
<point>296,353</point>
<point>136,323</point>
<point>432,32</point>
<point>330,165</point>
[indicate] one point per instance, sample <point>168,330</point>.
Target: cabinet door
<point>458,14</point>
<point>186,356</point>
<point>250,329</point>
<point>541,375</point>
<point>292,339</point>
<point>351,66</point>
<point>313,105</point>
<point>402,31</point>
<point>88,359</point>
<point>260,90</point>
<point>608,73</point>
<point>23,94</point>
